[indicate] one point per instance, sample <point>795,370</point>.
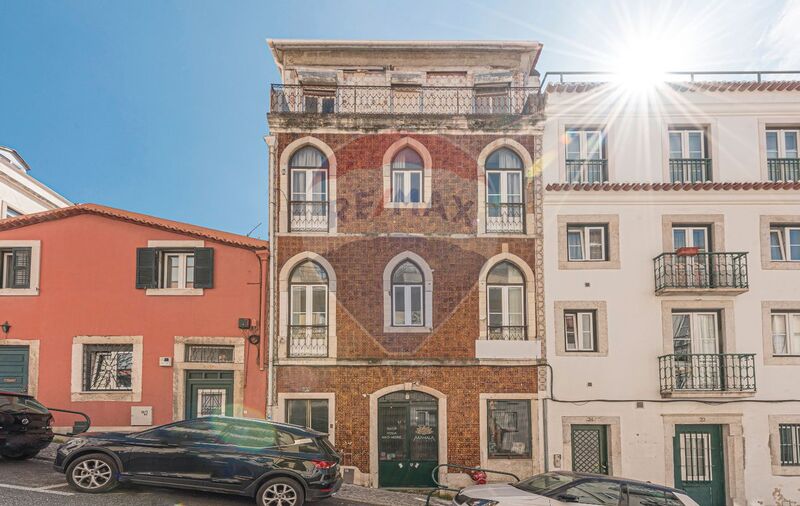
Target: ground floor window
<point>308,413</point>
<point>790,444</point>
<point>107,367</point>
<point>509,428</point>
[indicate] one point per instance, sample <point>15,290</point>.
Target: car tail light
<point>323,464</point>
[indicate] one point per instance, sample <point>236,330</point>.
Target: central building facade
<point>406,235</point>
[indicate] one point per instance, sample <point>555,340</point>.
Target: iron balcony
<point>404,100</point>
<point>707,372</point>
<point>698,273</point>
<point>505,218</point>
<point>308,216</point>
<point>508,332</point>
<point>308,341</point>
<point>587,171</point>
<point>690,170</point>
<point>783,169</point>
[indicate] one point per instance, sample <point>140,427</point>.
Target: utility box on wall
<point>141,415</point>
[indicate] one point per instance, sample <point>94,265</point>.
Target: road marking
<point>57,485</point>
<point>33,489</point>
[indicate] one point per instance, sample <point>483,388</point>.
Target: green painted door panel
<point>14,368</point>
<point>590,449</point>
<point>408,441</point>
<point>699,465</point>
<point>209,393</point>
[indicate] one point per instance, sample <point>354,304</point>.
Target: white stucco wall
<point>23,193</point>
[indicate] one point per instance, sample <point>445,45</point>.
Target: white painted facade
<point>19,192</point>
<point>639,322</point>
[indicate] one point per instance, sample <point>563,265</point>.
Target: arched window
<point>308,306</point>
<point>407,167</point>
<point>309,190</point>
<point>505,207</point>
<point>407,295</point>
<point>505,287</point>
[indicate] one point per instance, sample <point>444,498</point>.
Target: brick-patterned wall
<point>353,386</point>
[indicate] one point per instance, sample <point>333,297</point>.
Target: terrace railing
<point>692,271</point>
<point>308,341</point>
<point>783,169</point>
<point>505,217</point>
<point>690,170</point>
<point>587,171</point>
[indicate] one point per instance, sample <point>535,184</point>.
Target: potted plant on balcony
<point>687,251</point>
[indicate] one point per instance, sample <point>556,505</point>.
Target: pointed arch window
<point>505,298</point>
<point>308,169</point>
<point>408,293</point>
<point>308,306</point>
<point>407,179</point>
<point>505,206</point>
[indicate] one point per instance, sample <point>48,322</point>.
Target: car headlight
<point>480,502</point>
<point>74,444</point>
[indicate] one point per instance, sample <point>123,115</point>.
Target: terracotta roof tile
<point>141,219</point>
<point>582,87</point>
<point>616,187</point>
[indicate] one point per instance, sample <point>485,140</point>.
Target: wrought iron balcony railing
<point>587,171</point>
<point>308,341</point>
<point>505,217</point>
<point>507,333</point>
<point>690,170</point>
<point>426,100</point>
<point>716,372</point>
<point>783,169</point>
<point>308,216</point>
<point>701,271</point>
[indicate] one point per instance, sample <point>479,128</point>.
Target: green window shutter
<point>204,268</point>
<point>146,268</point>
<point>20,275</point>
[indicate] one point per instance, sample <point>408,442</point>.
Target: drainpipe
<point>272,143</point>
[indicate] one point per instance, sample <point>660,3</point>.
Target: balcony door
<point>692,270</point>
<point>696,341</point>
<point>309,190</point>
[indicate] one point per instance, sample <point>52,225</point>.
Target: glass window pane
<point>779,341</point>
<point>416,305</point>
<point>308,156</point>
<point>772,145</point>
<point>398,187</point>
<point>190,271</point>
<point>776,248</point>
<point>573,145</point>
<point>678,238</point>
<point>503,158</point>
<point>399,305</point>
<point>699,239</point>
<point>495,306</point>
<point>515,305</point>
<point>505,273</point>
<point>596,244</point>
<point>173,269</point>
<point>593,145</point>
<point>509,428</point>
<point>407,158</point>
<point>587,331</point>
<point>570,332</point>
<point>319,415</point>
<point>794,341</point>
<point>319,300</point>
<point>407,273</point>
<point>575,245</point>
<point>415,188</point>
<point>794,244</point>
<point>681,334</point>
<point>514,187</point>
<point>309,272</point>
<point>675,150</point>
<point>299,185</point>
<point>297,412</point>
<point>319,185</point>
<point>790,144</point>
<point>298,305</point>
<point>695,145</point>
<point>493,183</point>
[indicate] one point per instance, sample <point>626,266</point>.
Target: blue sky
<point>158,106</point>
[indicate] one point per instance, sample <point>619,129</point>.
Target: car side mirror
<point>567,498</point>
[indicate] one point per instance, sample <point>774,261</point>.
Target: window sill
<point>174,291</point>
<point>406,330</point>
<point>11,292</point>
<point>498,349</point>
<point>781,264</point>
<point>778,470</point>
<point>127,396</point>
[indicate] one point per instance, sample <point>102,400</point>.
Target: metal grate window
<point>790,444</point>
<point>209,354</point>
<point>695,456</point>
<point>107,367</point>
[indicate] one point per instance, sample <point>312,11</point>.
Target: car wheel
<point>280,492</point>
<point>93,473</point>
<point>21,455</point>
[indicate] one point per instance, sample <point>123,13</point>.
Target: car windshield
<point>17,404</point>
<point>544,483</point>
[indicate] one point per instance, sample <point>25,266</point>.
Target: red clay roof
<point>757,185</point>
<point>140,219</point>
<point>582,87</point>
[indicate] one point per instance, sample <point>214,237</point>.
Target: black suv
<point>277,464</point>
<point>25,426</point>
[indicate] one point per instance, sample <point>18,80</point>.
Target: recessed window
<point>509,428</point>
<point>308,205</point>
<point>209,353</point>
<point>311,413</point>
<point>786,333</point>
<point>790,444</point>
<point>505,289</point>
<point>15,268</point>
<point>407,179</point>
<point>784,243</point>
<point>586,243</point>
<point>107,367</point>
<point>12,213</point>
<point>168,268</point>
<point>586,156</point>
<point>407,295</point>
<point>579,330</point>
<point>308,307</point>
<point>688,159</point>
<point>505,208</point>
<point>783,163</point>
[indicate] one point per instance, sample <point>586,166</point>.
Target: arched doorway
<point>408,439</point>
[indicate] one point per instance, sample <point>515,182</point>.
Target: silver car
<point>565,488</point>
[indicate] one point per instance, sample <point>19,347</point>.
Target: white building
<point>19,192</point>
<point>672,272</point>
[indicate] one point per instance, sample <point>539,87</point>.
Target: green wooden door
<point>699,466</point>
<point>408,439</point>
<point>14,368</point>
<point>209,393</point>
<point>590,449</point>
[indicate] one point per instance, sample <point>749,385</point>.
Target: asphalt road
<point>34,482</point>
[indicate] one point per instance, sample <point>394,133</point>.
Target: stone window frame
<point>528,179</point>
<point>715,221</point>
<point>283,304</point>
<point>280,409</point>
<point>36,255</point>
<point>509,464</point>
<point>767,307</point>
<point>765,223</point>
<point>600,307</point>
<point>775,445</point>
<point>613,437</point>
<point>427,174</point>
<point>78,394</point>
<point>611,222</point>
<point>283,163</point>
<point>530,293</point>
<point>169,244</point>
<point>427,274</point>
<point>180,366</point>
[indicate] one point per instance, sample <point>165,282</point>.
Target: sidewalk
<point>383,497</point>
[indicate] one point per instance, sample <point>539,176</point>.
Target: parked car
<point>573,488</point>
<point>277,464</point>
<point>25,426</point>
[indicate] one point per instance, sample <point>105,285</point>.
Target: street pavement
<point>34,482</point>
